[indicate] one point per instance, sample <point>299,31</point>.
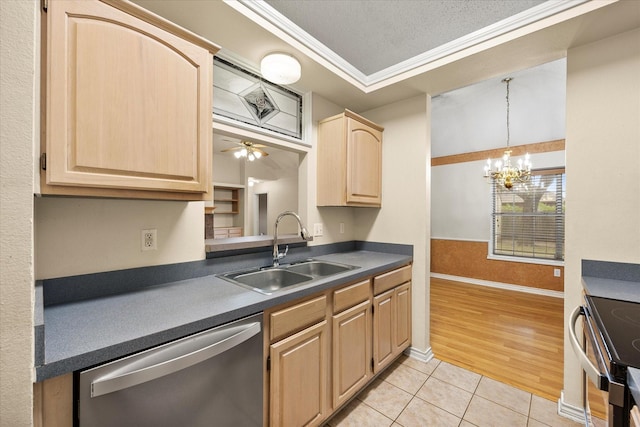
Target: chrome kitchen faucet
<point>304,233</point>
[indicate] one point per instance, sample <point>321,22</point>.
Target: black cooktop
<point>619,323</point>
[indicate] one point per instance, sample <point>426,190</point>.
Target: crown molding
<point>272,20</point>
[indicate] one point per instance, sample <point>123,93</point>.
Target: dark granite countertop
<point>613,280</point>
<point>78,334</point>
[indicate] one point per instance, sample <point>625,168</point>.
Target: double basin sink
<point>272,279</point>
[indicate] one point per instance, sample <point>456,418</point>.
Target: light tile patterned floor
<point>437,394</point>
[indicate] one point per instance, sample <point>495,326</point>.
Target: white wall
<point>227,169</point>
<point>282,195</point>
<point>78,236</point>
<point>473,118</point>
<point>404,216</point>
<point>603,167</point>
<point>19,76</point>
<point>461,198</point>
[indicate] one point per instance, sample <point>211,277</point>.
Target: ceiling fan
<point>247,149</point>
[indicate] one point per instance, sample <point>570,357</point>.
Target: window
<point>528,220</point>
<point>246,97</point>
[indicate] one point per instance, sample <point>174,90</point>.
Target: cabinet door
<point>384,314</point>
<point>351,351</point>
<point>364,164</point>
<point>403,317</point>
<point>299,378</point>
<point>53,402</point>
<point>128,104</point>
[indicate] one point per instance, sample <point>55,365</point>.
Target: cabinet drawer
<point>235,232</point>
<point>350,296</point>
<point>391,279</point>
<point>291,319</point>
<point>220,233</point>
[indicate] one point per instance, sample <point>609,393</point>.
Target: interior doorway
<point>260,217</point>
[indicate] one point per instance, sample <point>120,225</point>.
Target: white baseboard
<point>499,285</point>
<point>572,412</point>
<point>423,356</point>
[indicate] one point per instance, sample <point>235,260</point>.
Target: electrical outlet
<point>556,272</point>
<point>149,239</point>
<point>317,229</point>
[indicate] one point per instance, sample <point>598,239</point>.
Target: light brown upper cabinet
<point>127,103</point>
<point>349,161</point>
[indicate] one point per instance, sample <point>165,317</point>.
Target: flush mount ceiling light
<point>280,68</point>
<point>502,171</point>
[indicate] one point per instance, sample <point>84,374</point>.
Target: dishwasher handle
<point>587,366</point>
<point>133,374</point>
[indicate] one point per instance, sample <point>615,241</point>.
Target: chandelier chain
<point>503,172</point>
<point>507,80</point>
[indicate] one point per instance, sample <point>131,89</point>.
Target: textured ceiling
<point>373,35</point>
<point>537,35</point>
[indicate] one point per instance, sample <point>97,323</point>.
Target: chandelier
<point>502,171</point>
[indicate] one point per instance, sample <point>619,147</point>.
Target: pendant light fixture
<point>503,172</point>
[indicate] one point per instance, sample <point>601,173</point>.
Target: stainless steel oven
<point>610,345</point>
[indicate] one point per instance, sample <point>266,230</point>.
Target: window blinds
<point>528,220</point>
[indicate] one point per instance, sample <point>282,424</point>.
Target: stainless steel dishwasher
<point>213,378</point>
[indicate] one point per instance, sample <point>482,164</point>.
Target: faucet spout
<point>304,233</point>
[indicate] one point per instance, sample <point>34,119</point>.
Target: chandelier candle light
<point>502,171</point>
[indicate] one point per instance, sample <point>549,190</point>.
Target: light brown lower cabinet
<point>383,329</point>
<point>403,317</point>
<point>391,316</point>
<point>351,351</point>
<point>53,402</point>
<point>299,378</point>
<point>312,371</point>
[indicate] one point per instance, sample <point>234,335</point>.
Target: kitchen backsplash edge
<point>611,270</point>
<point>69,289</point>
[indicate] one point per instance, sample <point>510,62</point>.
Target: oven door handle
<point>589,368</point>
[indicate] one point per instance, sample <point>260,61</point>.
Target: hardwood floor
<point>512,337</point>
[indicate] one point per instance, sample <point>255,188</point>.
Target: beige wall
<point>603,167</point>
<point>78,236</point>
<point>18,133</point>
<point>404,216</point>
<point>282,195</point>
<point>330,217</point>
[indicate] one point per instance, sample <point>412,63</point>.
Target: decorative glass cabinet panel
<point>248,98</point>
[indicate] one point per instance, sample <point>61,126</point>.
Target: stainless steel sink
<point>273,279</point>
<point>319,268</point>
<point>267,281</point>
